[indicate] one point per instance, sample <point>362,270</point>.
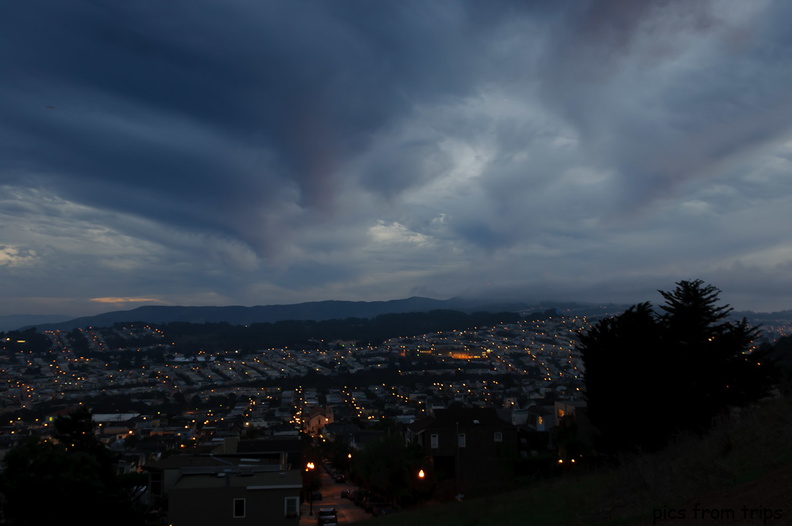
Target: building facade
<point>236,499</point>
<point>472,446</point>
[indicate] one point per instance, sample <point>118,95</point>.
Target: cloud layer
<point>196,152</point>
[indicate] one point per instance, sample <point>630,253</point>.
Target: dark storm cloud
<point>658,106</point>
<point>250,152</point>
<point>304,84</point>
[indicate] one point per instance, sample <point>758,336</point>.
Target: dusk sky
<point>241,152</point>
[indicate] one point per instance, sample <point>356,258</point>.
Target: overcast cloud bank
<point>252,153</point>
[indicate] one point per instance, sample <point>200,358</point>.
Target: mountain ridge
<point>245,315</point>
<point>318,311</point>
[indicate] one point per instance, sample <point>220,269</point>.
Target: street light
<point>309,469</point>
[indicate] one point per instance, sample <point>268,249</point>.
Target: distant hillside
<point>15,321</point>
<point>317,311</point>
<point>326,310</point>
<point>782,352</point>
<point>758,317</point>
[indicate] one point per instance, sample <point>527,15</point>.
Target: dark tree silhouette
<point>387,466</point>
<point>649,375</point>
<point>43,483</point>
<point>67,479</point>
<point>76,430</point>
<point>718,366</point>
<point>622,358</point>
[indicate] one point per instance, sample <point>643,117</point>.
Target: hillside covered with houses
<point>227,433</point>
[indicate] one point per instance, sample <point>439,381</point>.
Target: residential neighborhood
<point>236,437</point>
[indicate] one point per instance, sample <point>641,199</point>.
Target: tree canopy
<point>388,466</point>
<point>649,375</point>
<point>73,474</point>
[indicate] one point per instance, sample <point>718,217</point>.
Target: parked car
<point>345,493</point>
<point>316,495</point>
<point>327,516</point>
<point>359,497</point>
<point>374,502</point>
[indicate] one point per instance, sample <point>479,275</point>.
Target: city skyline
<point>285,152</point>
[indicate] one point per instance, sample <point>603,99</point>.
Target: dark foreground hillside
<point>739,473</point>
<point>766,501</point>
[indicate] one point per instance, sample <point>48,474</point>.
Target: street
<point>331,497</point>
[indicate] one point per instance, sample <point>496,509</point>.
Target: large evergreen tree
<point>649,375</point>
<point>622,356</point>
<point>721,367</point>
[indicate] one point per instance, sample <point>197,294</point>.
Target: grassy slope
<point>734,452</point>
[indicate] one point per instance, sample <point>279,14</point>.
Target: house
<point>470,445</point>
<point>256,456</point>
<point>236,498</point>
<point>569,409</point>
<point>287,448</point>
<point>316,419</point>
<point>115,426</point>
<point>358,439</point>
<point>573,413</point>
<point>541,417</point>
<point>339,431</point>
<point>573,431</point>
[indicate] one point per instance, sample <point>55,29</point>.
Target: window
<point>435,442</point>
<point>461,440</point>
<point>156,483</point>
<point>498,437</point>
<point>291,506</point>
<point>239,508</point>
